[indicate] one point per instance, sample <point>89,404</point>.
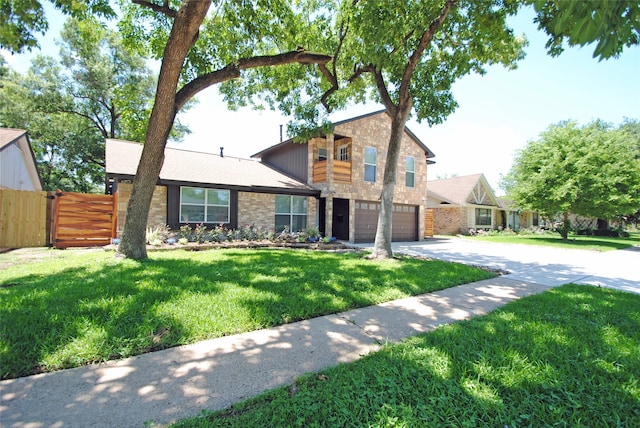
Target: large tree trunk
<point>382,245</point>
<point>184,34</point>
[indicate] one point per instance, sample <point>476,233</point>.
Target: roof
<point>429,153</point>
<point>454,190</point>
<point>8,136</point>
<point>190,167</point>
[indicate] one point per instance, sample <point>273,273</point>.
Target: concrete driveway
<point>542,265</point>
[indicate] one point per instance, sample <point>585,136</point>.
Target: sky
<point>498,112</point>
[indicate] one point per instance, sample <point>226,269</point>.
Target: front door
<point>341,218</point>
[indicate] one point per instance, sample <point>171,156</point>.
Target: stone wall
<point>259,209</point>
<point>157,211</point>
<point>447,221</point>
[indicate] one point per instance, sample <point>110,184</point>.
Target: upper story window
<point>343,153</point>
<point>291,211</point>
<point>322,153</point>
<point>199,205</point>
<point>410,176</point>
<point>483,217</point>
<point>370,164</point>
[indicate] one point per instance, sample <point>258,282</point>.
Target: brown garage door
<point>404,222</point>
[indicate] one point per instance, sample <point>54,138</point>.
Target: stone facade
<point>447,221</point>
<point>259,210</point>
<point>157,211</point>
<point>370,131</point>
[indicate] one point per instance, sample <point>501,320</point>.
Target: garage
<point>404,222</point>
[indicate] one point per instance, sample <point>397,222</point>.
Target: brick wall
<point>157,211</point>
<point>259,209</point>
<point>448,221</point>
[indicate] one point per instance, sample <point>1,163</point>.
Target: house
<point>17,161</point>
<point>346,166</point>
<point>332,182</point>
<point>468,203</point>
<point>196,187</point>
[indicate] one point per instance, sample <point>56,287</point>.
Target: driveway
<point>543,265</point>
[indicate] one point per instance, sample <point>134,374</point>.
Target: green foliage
<point>567,357</point>
<point>20,20</point>
<point>612,25</point>
<point>75,309</point>
<point>593,171</point>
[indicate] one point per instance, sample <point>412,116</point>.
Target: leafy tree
<point>593,171</point>
<point>100,89</point>
<point>407,55</point>
<point>612,25</point>
<point>69,154</point>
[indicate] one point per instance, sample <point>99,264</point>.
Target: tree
<point>612,25</point>
<point>407,55</point>
<point>99,89</point>
<point>593,171</point>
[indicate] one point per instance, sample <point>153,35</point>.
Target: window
<point>343,153</point>
<point>370,162</point>
<point>204,205</point>
<point>536,220</point>
<point>322,153</point>
<point>410,176</point>
<point>483,217</point>
<point>291,211</point>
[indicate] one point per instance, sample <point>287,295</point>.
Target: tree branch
<point>425,40</point>
<point>384,93</point>
<point>331,76</point>
<point>164,9</point>
<point>232,71</point>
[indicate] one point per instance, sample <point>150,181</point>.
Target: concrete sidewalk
<point>175,383</point>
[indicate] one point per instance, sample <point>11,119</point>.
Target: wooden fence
<point>23,218</point>
<point>82,220</point>
<point>428,223</point>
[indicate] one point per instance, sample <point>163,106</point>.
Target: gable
<point>470,189</point>
<point>17,162</point>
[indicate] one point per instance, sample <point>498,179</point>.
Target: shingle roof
<point>456,189</point>
<point>183,166</point>
<point>8,135</point>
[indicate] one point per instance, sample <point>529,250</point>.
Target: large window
<point>410,177</point>
<point>199,205</point>
<point>483,217</point>
<point>370,164</point>
<point>291,211</point>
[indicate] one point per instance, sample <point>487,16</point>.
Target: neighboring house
<point>464,204</point>
<point>513,218</point>
<point>196,188</point>
<point>17,162</point>
<point>347,167</point>
<point>331,182</point>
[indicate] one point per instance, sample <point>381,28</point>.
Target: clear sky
<point>497,114</point>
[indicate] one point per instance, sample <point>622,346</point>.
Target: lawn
<point>551,239</point>
<point>83,308</point>
<point>567,357</point>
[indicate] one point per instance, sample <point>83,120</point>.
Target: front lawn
<point>569,357</point>
<point>553,239</point>
<point>78,309</point>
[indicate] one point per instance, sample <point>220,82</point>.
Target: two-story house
<point>347,166</point>
<point>331,182</point>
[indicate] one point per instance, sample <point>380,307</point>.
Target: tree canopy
<point>591,170</point>
<point>611,25</point>
<point>97,89</point>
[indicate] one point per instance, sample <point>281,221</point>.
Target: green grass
<point>79,309</point>
<point>594,243</point>
<point>567,357</point>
